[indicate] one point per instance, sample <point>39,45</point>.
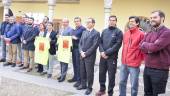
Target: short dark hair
<point>77,18</point>
<point>92,19</point>
<point>113,16</point>
<point>137,20</point>
<point>47,17</point>
<point>161,13</point>
<point>31,18</point>
<point>51,23</point>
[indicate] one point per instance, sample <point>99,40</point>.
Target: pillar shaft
<point>107,11</point>
<point>51,7</point>
<point>6,5</point>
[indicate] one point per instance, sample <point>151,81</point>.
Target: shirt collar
<point>158,28</point>
<point>90,29</point>
<point>132,30</point>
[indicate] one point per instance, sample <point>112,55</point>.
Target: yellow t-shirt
<point>42,46</point>
<point>64,49</point>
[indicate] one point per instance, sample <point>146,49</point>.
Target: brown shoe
<point>29,70</point>
<point>100,93</point>
<point>22,68</point>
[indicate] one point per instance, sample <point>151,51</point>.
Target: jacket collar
<point>132,30</point>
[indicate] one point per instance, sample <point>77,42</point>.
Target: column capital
<point>108,3</point>
<point>6,2</point>
<point>52,2</point>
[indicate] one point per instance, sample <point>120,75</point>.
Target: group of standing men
<point>153,47</point>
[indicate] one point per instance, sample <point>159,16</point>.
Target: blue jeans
<point>64,68</point>
<point>76,64</point>
<point>3,56</point>
<point>51,62</point>
<point>134,79</point>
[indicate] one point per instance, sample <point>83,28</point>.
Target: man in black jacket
<point>110,43</point>
<point>88,46</point>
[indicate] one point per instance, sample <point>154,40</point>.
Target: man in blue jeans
<point>131,57</point>
<point>66,30</point>
<point>3,26</point>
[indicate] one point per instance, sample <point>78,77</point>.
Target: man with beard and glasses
<point>110,43</point>
<point>131,57</point>
<point>156,46</point>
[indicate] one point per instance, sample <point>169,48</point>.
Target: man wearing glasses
<point>87,47</point>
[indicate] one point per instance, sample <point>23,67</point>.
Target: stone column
<point>51,6</point>
<point>6,4</point>
<point>107,11</point>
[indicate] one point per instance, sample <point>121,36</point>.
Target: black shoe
<point>13,65</point>
<point>49,75</point>
<point>43,73</point>
<point>61,79</point>
<point>77,84</point>
<point>21,65</point>
<point>72,80</point>
<point>81,87</point>
<point>39,71</point>
<point>2,60</point>
<point>7,64</point>
<point>110,94</point>
<point>88,91</point>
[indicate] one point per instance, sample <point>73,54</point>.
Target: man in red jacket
<point>156,46</point>
<point>131,57</point>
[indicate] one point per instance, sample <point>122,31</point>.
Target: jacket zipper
<point>129,45</point>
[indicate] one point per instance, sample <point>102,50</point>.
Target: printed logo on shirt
<point>113,35</point>
<point>65,44</point>
<point>41,46</point>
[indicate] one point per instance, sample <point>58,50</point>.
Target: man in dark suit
<point>88,46</point>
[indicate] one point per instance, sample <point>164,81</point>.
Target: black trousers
<point>107,65</point>
<point>40,68</point>
<point>87,71</point>
<point>155,81</point>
